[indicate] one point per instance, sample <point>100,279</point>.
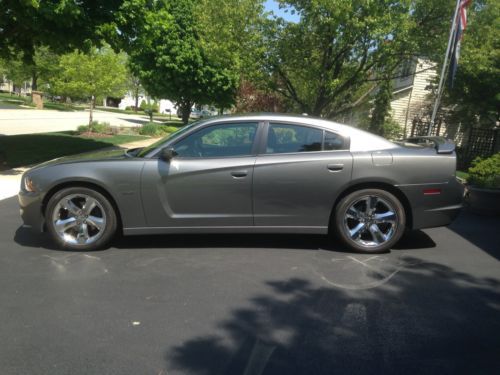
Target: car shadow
<point>412,240</point>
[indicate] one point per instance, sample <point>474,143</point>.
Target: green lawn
<point>28,149</point>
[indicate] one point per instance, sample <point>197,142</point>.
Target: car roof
<point>360,140</point>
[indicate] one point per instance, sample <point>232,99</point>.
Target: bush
<point>97,127</point>
<point>392,130</point>
<point>485,173</point>
<point>101,127</point>
<point>154,130</point>
<point>82,129</point>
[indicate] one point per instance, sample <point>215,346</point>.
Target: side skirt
<point>180,230</point>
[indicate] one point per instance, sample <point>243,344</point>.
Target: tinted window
<point>333,142</point>
<point>293,138</point>
<point>219,141</point>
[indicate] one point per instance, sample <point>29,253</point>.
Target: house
<point>411,92</point>
<point>7,85</point>
<point>165,106</point>
<point>411,96</point>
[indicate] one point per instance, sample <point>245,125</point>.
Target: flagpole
<point>443,70</point>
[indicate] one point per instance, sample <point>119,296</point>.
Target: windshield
<point>147,150</point>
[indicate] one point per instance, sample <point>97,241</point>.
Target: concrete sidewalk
<point>10,180</point>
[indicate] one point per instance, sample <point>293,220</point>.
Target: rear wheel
<point>79,218</point>
<point>370,220</point>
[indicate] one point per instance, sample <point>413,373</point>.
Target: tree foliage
<point>381,108</point>
<point>475,96</point>
<point>60,24</point>
<point>98,73</point>
<point>187,51</point>
<point>329,61</point>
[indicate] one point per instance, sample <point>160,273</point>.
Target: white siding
<point>412,101</point>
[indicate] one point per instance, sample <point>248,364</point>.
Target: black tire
<point>366,241</point>
<point>102,237</point>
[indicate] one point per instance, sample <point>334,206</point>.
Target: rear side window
<point>333,142</point>
<point>285,138</point>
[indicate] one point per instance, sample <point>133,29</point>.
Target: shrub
<point>101,128</point>
<point>82,129</point>
<point>485,173</point>
<point>97,127</point>
<point>154,130</point>
<point>392,130</point>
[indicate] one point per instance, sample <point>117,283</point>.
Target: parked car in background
<point>248,174</point>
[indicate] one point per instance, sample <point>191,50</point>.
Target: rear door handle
<point>239,174</point>
<point>335,167</point>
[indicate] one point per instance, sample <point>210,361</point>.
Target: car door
<point>209,182</point>
<point>298,175</point>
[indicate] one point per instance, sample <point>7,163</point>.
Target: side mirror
<point>167,154</point>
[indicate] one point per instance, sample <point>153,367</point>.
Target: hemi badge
<point>432,191</point>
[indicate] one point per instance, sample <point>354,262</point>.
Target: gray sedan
<point>248,174</point>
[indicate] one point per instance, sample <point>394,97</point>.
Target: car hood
<point>86,157</point>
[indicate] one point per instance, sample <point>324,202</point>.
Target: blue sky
<point>272,5</point>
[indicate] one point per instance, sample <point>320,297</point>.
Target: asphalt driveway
<point>251,304</point>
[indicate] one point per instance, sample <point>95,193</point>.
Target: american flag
<point>461,24</point>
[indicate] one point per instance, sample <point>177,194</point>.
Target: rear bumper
<point>435,210</point>
<point>31,210</point>
<point>436,217</point>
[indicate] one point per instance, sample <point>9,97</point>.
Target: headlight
<point>28,184</point>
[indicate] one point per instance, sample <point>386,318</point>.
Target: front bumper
<point>435,210</point>
<point>31,210</point>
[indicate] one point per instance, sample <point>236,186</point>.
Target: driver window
<point>221,140</point>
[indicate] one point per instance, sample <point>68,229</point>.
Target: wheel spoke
<point>72,208</point>
<point>63,225</point>
<point>353,213</point>
<point>89,205</point>
<point>96,222</point>
<point>83,233</point>
<point>371,204</point>
<point>385,217</point>
<point>377,234</point>
<point>357,230</point>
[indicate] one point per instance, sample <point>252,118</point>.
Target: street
<point>251,304</point>
<point>29,121</point>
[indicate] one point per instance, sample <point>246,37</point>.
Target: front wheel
<point>79,218</point>
<point>370,220</point>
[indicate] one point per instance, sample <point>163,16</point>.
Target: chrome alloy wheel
<point>79,219</point>
<point>370,221</point>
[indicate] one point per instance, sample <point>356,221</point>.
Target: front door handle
<point>335,167</point>
<point>239,174</point>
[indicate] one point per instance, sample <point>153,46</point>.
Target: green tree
<point>231,32</point>
<point>42,66</point>
<point>475,96</point>
<point>98,73</point>
<point>381,108</point>
<point>17,71</point>
<point>328,61</point>
<point>174,51</point>
<point>134,86</point>
<point>61,25</point>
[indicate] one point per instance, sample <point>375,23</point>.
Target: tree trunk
<point>136,99</point>
<point>91,113</point>
<point>34,82</point>
<point>185,107</point>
